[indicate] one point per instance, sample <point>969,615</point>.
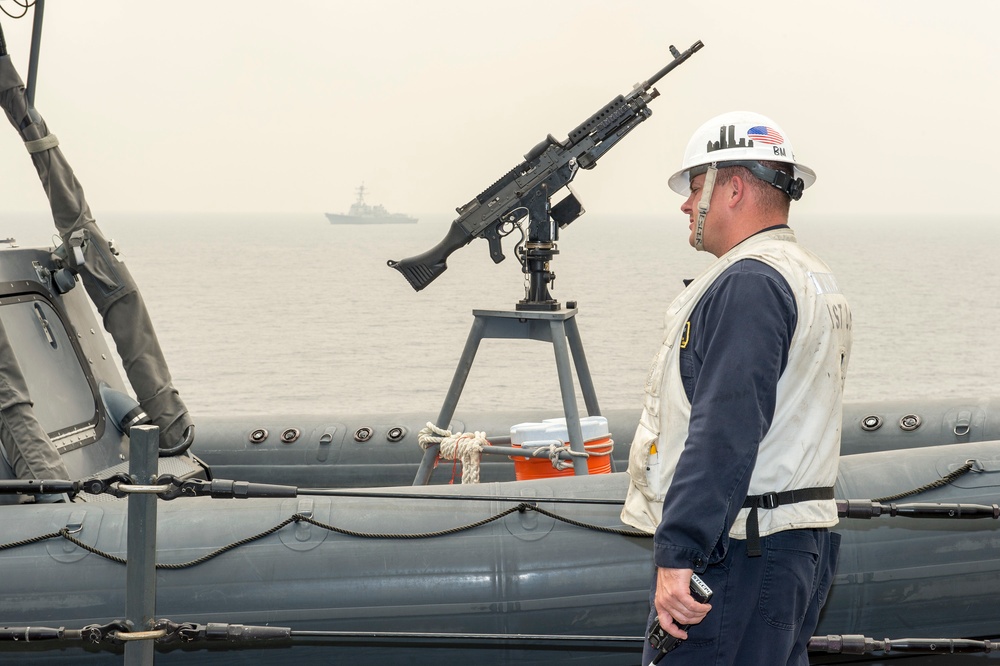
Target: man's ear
<point>736,191</point>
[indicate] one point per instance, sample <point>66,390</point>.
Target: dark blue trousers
<point>764,609</point>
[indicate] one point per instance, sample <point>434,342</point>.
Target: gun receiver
<point>527,189</point>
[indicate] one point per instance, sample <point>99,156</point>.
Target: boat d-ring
<point>963,423</point>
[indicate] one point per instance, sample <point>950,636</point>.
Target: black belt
<point>773,501</point>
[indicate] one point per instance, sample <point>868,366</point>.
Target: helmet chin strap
<point>703,206</point>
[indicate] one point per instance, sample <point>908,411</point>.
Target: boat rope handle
<point>943,481</point>
<point>522,507</point>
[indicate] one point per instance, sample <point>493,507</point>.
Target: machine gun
<point>527,190</point>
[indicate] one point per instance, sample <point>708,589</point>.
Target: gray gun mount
<point>528,188</point>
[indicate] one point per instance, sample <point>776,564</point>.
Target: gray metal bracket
<point>557,327</point>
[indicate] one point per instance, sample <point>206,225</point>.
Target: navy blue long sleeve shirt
<point>736,349</point>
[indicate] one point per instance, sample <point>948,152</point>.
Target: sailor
<point>105,276</point>
<point>734,460</point>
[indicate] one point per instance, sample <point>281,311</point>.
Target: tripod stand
<point>557,327</point>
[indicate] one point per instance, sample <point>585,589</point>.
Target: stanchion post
<point>140,574</point>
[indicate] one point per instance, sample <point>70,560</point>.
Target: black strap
<point>772,501</point>
<point>790,185</point>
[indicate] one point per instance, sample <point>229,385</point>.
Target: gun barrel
<point>612,112</point>
<point>678,59</point>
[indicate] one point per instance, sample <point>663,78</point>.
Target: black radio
<point>664,642</point>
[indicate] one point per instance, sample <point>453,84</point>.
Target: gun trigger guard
<point>493,237</point>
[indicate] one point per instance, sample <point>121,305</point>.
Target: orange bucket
<point>597,441</point>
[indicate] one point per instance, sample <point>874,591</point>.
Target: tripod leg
<point>568,396</point>
<point>582,369</point>
<point>423,475</point>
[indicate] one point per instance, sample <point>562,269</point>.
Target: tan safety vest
<point>802,447</point>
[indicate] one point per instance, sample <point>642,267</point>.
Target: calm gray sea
<point>287,313</point>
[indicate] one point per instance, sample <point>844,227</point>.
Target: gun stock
<point>422,269</point>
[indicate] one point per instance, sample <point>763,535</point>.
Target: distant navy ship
<point>362,213</point>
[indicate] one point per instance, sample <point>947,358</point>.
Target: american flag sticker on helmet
<point>764,134</point>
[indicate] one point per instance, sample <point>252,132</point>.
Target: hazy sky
<point>270,106</point>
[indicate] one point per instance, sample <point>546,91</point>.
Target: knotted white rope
<point>553,450</point>
<point>466,447</point>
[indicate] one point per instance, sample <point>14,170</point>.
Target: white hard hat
<point>738,136</point>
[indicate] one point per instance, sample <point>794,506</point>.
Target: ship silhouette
<point>363,213</point>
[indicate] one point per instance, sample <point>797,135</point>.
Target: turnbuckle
<point>111,485</point>
<point>167,486</point>
<point>98,633</point>
<point>170,487</point>
<point>184,632</point>
<point>162,631</point>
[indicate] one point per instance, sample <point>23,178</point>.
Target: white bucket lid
<point>554,430</point>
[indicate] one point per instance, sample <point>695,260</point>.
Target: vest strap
<point>772,501</point>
